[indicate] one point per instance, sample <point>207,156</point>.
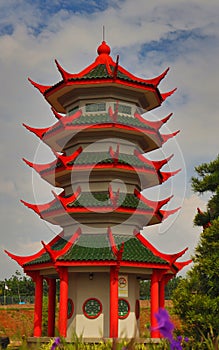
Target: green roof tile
<point>105,158</point>
<point>90,247</point>
<point>102,118</point>
<point>102,200</point>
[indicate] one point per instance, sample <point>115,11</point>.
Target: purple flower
<point>165,325</point>
<point>56,343</point>
<point>175,345</point>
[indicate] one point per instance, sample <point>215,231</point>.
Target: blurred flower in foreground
<point>166,327</point>
<point>56,343</point>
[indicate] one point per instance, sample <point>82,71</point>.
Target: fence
<point>11,300</point>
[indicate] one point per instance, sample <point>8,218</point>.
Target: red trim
<point>154,303</point>
<point>56,114</point>
<point>51,306</point>
<point>153,124</point>
<point>171,258</point>
<point>38,305</point>
<point>38,132</point>
<point>85,313</point>
<point>165,95</point>
<point>55,254</point>
<point>41,88</point>
<point>63,301</point>
<point>125,316</point>
<point>113,331</point>
<point>166,137</point>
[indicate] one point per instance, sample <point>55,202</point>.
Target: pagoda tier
<point>103,78</point>
<point>72,169</point>
<point>90,209</point>
<point>85,128</point>
<point>106,249</point>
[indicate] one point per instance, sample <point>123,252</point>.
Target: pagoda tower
<point>100,141</point>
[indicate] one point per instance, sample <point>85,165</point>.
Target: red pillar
<point>38,279</point>
<point>154,302</point>
<point>51,307</point>
<point>114,323</point>
<point>63,301</point>
<point>162,293</point>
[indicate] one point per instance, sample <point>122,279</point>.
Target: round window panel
<point>92,308</point>
<point>70,308</point>
<point>124,308</point>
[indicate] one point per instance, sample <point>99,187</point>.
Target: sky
<point>149,36</point>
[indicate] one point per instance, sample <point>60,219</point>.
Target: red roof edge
<point>167,174</point>
<point>156,81</point>
<point>41,88</point>
<point>55,254</point>
<point>37,132</point>
<point>165,95</point>
<point>166,137</point>
<point>65,75</point>
<point>181,264</point>
<point>171,258</point>
<point>56,114</point>
<point>112,241</point>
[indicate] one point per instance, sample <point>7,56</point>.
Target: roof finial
<point>103,33</point>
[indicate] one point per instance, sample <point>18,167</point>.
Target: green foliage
<point>196,298</point>
<point>207,181</point>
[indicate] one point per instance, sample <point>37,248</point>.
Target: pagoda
<point>100,140</point>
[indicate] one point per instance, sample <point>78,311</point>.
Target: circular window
<point>124,308</point>
<point>70,308</point>
<point>92,308</point>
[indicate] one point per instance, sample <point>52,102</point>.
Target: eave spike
<point>153,124</point>
<point>166,175</point>
<point>166,137</point>
<point>56,114</point>
<point>165,95</point>
<point>65,75</point>
<point>156,81</point>
<point>38,132</point>
<point>40,167</point>
<point>166,213</point>
<point>41,88</point>
<point>181,264</point>
<point>156,205</point>
<point>171,258</point>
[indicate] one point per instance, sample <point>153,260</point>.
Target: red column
<point>154,302</point>
<point>162,293</point>
<point>63,301</point>
<point>51,307</point>
<point>113,302</point>
<point>38,279</point>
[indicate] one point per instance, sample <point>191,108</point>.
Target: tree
<point>196,298</point>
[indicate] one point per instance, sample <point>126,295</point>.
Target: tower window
<point>95,107</point>
<point>123,109</point>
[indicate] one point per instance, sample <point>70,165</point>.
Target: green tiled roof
<point>102,118</point>
<point>90,247</point>
<point>103,158</point>
<point>100,72</point>
<point>103,200</point>
<point>44,258</point>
